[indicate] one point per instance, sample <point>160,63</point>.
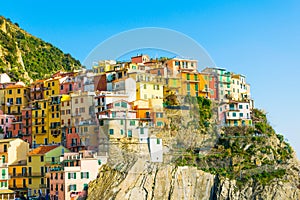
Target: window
<point>5,148</point>
<point>84,175</point>
<point>188,86</point>
<point>132,122</point>
<point>187,76</point>
<point>76,101</point>
<point>30,181</point>
<point>159,115</point>
<point>52,83</point>
<point>129,133</point>
<point>101,122</point>
<point>145,86</point>
<point>3,158</point>
<point>72,187</point>
<point>61,87</point>
<point>122,122</point>
<point>4,173</point>
<point>247,107</point>
<point>196,86</point>
<point>81,100</point>
<point>121,131</point>
<point>159,123</point>
<point>42,158</point>
<point>240,106</point>
<point>123,104</point>
<point>72,175</point>
<point>142,131</point>
<point>234,114</point>
<point>241,114</point>
<point>157,141</point>
<point>111,131</point>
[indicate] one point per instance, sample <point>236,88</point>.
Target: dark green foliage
<point>205,110</point>
<point>40,58</point>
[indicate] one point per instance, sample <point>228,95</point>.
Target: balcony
<point>76,114</point>
<point>27,125</point>
<point>16,112</point>
<point>19,186</point>
<point>55,169</point>
<point>36,174</point>
<point>18,175</point>
<point>5,177</point>
<point>39,116</point>
<point>43,186</point>
<point>14,121</point>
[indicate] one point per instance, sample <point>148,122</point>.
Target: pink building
<point>67,85</point>
<point>5,124</point>
<point>76,170</point>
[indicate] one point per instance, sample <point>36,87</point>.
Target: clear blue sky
<point>258,38</point>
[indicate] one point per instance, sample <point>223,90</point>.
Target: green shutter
<point>75,187</point>
<point>81,175</point>
<point>69,175</point>
<point>74,175</point>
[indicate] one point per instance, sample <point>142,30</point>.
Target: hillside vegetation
<point>25,57</point>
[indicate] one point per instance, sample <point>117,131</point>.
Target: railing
<point>19,186</point>
<point>36,174</point>
<point>43,186</point>
<point>5,177</point>
<point>19,175</point>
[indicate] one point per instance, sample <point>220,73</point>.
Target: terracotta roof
<point>42,150</point>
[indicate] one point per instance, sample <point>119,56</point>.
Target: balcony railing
<point>4,177</point>
<point>36,174</point>
<point>43,186</point>
<point>19,175</point>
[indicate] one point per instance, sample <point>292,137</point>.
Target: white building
<point>68,181</point>
<point>156,149</point>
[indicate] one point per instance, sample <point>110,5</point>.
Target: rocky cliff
<point>144,180</point>
<point>202,161</point>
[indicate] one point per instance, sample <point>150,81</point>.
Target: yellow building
<point>18,177</point>
<point>193,84</point>
<point>52,87</point>
<point>172,86</point>
<point>104,66</point>
<point>37,162</point>
<point>16,97</point>
<point>40,120</point>
<point>11,151</point>
<point>54,110</point>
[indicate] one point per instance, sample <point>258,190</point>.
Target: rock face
<point>144,180</point>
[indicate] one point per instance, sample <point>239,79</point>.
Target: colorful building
<point>38,162</point>
<point>235,114</point>
<point>18,173</point>
<point>68,180</point>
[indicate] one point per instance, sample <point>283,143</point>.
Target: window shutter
<point>75,175</point>
<point>87,175</point>
<point>69,176</point>
<point>75,187</point>
<point>81,175</point>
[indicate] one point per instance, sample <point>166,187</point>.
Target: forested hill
<point>24,56</point>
